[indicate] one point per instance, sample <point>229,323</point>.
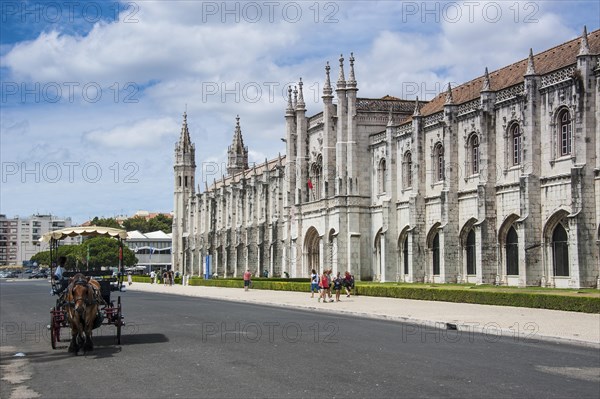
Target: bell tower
<point>185,169</point>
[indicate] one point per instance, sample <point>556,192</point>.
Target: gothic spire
<point>290,108</point>
<point>300,104</point>
<point>351,79</point>
<point>295,103</point>
<point>390,117</point>
<point>449,99</point>
<point>584,47</point>
<point>237,154</point>
<point>530,64</point>
<point>184,138</point>
<point>487,86</point>
<point>417,108</point>
<point>341,82</point>
<point>327,88</point>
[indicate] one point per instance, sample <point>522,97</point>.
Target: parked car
<point>11,275</point>
<point>38,275</point>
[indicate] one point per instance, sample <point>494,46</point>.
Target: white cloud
<point>141,134</point>
<point>174,54</point>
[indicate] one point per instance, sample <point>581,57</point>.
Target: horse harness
<point>80,282</point>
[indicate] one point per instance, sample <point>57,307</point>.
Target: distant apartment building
<point>19,237</point>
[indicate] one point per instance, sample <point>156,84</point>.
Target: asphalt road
<point>174,346</point>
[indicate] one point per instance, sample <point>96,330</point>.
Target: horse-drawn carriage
<point>86,303</point>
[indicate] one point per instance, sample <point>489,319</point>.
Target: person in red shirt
<point>324,285</point>
<point>247,277</point>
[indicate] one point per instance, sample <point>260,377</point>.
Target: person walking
<point>324,285</point>
<point>247,279</point>
<point>129,278</point>
<point>337,286</point>
<point>348,283</point>
<point>330,284</point>
<point>314,283</point>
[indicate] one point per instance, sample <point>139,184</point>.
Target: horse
<point>82,300</point>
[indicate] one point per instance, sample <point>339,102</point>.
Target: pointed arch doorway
<point>312,251</point>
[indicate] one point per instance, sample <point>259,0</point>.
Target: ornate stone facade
<point>494,181</point>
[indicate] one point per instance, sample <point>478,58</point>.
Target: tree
<point>106,222</point>
<point>136,223</point>
<point>160,222</point>
<point>104,252</point>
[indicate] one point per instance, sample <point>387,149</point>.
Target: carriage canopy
<point>91,231</point>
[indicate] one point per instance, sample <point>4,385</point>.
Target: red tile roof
<point>545,62</point>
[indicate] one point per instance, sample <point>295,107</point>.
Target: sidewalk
<point>494,321</point>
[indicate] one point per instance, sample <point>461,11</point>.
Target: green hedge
<point>519,299</point>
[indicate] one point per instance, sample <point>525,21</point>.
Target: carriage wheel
<point>118,320</point>
<point>54,330</point>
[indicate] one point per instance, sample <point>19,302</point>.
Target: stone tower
<point>237,154</point>
<point>185,169</point>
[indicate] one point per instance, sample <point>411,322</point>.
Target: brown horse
<point>82,300</point>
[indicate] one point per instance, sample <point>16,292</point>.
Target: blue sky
<point>93,92</point>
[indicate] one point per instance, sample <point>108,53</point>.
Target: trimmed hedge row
<point>519,299</point>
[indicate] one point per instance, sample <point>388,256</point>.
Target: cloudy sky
<point>93,93</point>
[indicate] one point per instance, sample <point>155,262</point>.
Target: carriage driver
<point>61,281</point>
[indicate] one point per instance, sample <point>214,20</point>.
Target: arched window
<point>315,179</point>
<point>516,144</point>
<point>438,159</point>
<point>405,254</point>
<point>435,249</point>
<point>407,169</point>
<point>560,251</point>
<point>470,249</point>
<point>512,252</point>
<point>565,132</point>
<point>474,153</point>
<point>381,176</point>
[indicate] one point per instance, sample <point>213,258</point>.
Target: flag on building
<point>310,185</point>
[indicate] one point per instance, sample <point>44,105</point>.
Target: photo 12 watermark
<point>469,11</point>
<point>253,12</point>
<point>54,12</point>
<point>22,332</point>
<point>269,331</point>
<point>68,92</point>
<point>490,332</point>
<point>71,172</point>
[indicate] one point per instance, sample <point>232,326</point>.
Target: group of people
<point>324,284</point>
<point>168,277</point>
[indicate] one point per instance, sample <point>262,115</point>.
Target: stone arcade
<point>494,181</point>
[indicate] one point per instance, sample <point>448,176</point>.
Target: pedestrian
<point>348,283</point>
<point>129,278</point>
<point>337,286</point>
<point>152,277</point>
<point>330,284</point>
<point>165,276</point>
<point>247,279</point>
<point>324,285</point>
<point>171,277</point>
<point>314,283</point>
